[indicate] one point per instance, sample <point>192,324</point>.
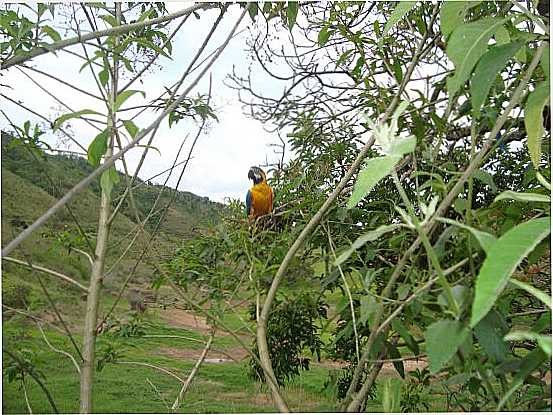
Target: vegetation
<point>410,228</point>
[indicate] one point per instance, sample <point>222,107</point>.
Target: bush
<point>14,293</point>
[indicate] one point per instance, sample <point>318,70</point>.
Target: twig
<point>26,397</point>
<point>170,336</point>
<point>32,373</point>
<point>185,386</point>
<point>55,78</point>
<point>86,254</point>
<point>45,119</point>
<point>114,31</point>
<point>58,350</point>
<point>34,318</point>
<point>352,308</point>
<point>47,271</point>
<point>158,368</point>
<point>158,393</point>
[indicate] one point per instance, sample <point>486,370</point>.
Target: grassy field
<point>127,386</point>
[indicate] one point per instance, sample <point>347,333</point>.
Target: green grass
<point>119,388</point>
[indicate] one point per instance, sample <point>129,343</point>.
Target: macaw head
<point>257,175</point>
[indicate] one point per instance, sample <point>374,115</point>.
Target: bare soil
<point>213,356</point>
<point>185,319</point>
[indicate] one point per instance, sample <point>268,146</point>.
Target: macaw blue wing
<point>248,202</point>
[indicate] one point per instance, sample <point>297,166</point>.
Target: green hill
<point>33,181</point>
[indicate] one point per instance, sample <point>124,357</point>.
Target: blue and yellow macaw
<point>259,200</point>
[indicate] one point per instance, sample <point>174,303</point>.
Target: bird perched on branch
<point>259,200</point>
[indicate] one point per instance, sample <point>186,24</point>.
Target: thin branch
<point>151,366</point>
<point>32,373</point>
<point>195,369</point>
<point>86,254</point>
<point>61,81</point>
<point>47,271</point>
<point>348,292</point>
<point>158,393</point>
<point>69,355</point>
<point>114,31</point>
<point>34,318</point>
<point>26,397</point>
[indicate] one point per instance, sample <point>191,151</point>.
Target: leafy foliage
<point>291,330</point>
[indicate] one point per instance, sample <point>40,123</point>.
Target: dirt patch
<point>388,369</point>
<point>213,356</point>
<point>183,318</point>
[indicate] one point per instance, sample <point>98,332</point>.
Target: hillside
<point>31,183</point>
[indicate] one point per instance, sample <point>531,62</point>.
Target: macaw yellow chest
<point>262,199</point>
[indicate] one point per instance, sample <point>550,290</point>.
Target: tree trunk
<point>97,273</point>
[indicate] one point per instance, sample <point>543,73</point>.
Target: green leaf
<point>252,10</point>
<point>545,62</point>
<point>98,148</point>
<point>393,353</point>
<point>465,47</point>
<point>490,332</point>
<point>443,338</point>
<point>543,181</point>
<point>103,75</point>
<point>486,178</point>
<point>523,197</point>
<point>543,340</point>
<point>343,57</point>
<point>533,120</point>
<point>486,70</point>
<point>398,326</point>
<point>540,295</point>
<point>391,395</point>
<point>147,146</point>
<point>150,45</point>
<point>452,14</point>
<point>401,10</point>
<point>323,37</point>
<point>402,146</point>
<point>109,19</point>
<point>55,36</point>
<point>370,309</point>
<point>502,36</point>
<point>109,179</point>
<point>131,127</point>
<point>375,170</point>
<point>530,363</point>
<point>485,239</point>
<point>292,13</point>
<point>502,259</point>
<point>520,56</point>
<point>65,117</point>
<point>145,15</point>
<point>123,96</point>
<point>363,239</point>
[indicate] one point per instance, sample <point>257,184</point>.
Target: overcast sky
<point>222,156</point>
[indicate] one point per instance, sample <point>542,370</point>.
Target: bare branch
<point>114,31</point>
<point>195,369</point>
<point>47,271</point>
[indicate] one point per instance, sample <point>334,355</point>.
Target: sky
<point>223,154</point>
